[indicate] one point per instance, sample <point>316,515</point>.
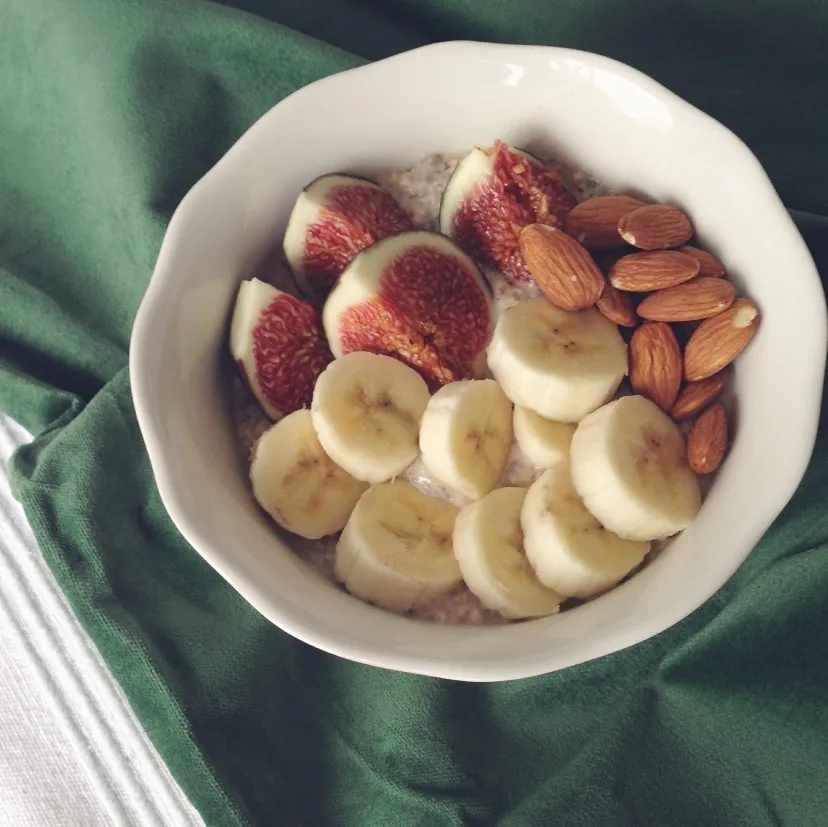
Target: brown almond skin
<point>709,266</point>
<point>707,440</point>
<point>594,222</point>
<point>696,396</point>
<point>717,341</point>
<point>617,307</point>
<point>655,227</point>
<point>655,363</point>
<point>645,272</point>
<point>561,267</point>
<point>698,298</point>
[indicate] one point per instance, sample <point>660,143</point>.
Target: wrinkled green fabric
<point>109,111</point>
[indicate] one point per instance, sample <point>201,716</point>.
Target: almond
<point>562,268</point>
<point>617,307</point>
<point>709,265</point>
<point>696,396</point>
<point>594,223</point>
<point>717,341</point>
<point>707,440</point>
<point>655,363</point>
<point>699,298</point>
<point>655,227</point>
<point>643,272</point>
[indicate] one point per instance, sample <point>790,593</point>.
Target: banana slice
<point>366,410</point>
<point>488,545</point>
<point>544,442</point>
<point>560,365</point>
<point>629,466</point>
<point>570,551</point>
<point>396,550</point>
<point>297,483</point>
<point>466,434</point>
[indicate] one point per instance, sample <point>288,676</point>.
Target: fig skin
<point>396,301</point>
<point>511,195</point>
<point>329,226</point>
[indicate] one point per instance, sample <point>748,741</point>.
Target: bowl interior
<point>588,111</point>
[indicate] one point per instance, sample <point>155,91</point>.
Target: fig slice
<point>279,346</point>
<point>418,297</point>
<point>335,217</point>
<point>492,195</point>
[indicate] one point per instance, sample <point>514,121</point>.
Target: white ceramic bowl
<point>590,111</point>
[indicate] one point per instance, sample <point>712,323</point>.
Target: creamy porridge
<point>567,317</point>
<point>418,190</point>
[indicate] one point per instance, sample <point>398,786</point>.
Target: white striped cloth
<point>72,754</point>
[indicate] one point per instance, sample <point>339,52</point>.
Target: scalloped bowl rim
<point>144,366</point>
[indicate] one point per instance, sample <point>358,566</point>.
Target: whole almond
<point>561,267</point>
<point>617,306</point>
<point>655,363</point>
<point>594,222</point>
<point>709,265</point>
<point>696,396</point>
<point>643,272</point>
<point>717,341</point>
<point>655,227</point>
<point>707,440</point>
<point>699,298</point>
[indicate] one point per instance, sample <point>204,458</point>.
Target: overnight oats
<point>495,389</point>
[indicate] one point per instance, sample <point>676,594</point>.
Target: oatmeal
<point>419,190</point>
<point>477,503</point>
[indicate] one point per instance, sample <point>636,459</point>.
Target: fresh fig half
<point>334,218</point>
<point>415,296</point>
<point>492,195</point>
<point>279,346</point>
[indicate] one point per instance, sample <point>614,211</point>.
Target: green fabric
<point>109,111</point>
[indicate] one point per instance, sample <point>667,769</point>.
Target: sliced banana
<point>558,364</point>
<point>629,466</point>
<point>544,442</point>
<point>396,550</point>
<point>466,434</point>
<point>297,483</point>
<point>488,545</point>
<point>366,410</point>
<point>570,551</point>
